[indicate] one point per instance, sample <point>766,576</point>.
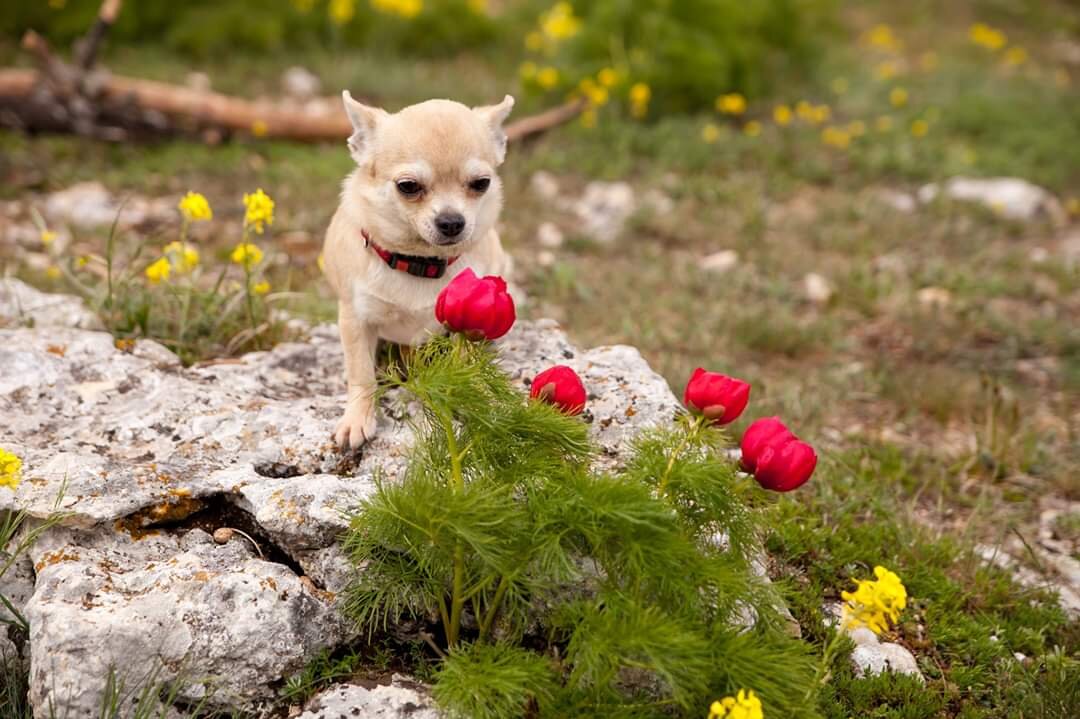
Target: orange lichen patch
<point>201,576</point>
<point>57,350</point>
<point>630,411</point>
<point>50,558</point>
<point>180,492</point>
<point>124,344</point>
<point>138,524</point>
<point>322,594</point>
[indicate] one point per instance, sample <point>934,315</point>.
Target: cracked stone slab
<point>21,304</point>
<point>185,606</point>
<point>124,441</point>
<point>402,698</point>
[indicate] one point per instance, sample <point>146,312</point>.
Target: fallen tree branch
<point>62,97</point>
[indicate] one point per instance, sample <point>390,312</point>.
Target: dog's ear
<point>363,119</point>
<point>494,116</point>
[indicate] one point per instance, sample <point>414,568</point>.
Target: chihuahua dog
<point>419,208</point>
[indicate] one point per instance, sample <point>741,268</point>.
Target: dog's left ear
<point>494,116</point>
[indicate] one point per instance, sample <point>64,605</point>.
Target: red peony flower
<point>561,387</point>
<point>718,397</point>
<point>786,467</point>
<point>481,308</point>
<point>760,435</point>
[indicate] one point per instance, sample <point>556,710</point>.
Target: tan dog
<point>420,207</point>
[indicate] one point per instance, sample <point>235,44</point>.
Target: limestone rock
<point>400,699</point>
<point>550,236</point>
<point>604,208</point>
<point>720,262</point>
<point>21,304</point>
<point>180,605</point>
<point>817,289</point>
<point>544,185</point>
<point>1010,197</point>
<point>300,83</point>
<point>149,459</point>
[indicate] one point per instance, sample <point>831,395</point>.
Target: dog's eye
<point>480,184</point>
<point>409,188</point>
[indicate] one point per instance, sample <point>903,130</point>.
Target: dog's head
<point>426,175</point>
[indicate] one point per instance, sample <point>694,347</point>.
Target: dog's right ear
<point>364,120</point>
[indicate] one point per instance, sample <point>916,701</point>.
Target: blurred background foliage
<point>685,51</point>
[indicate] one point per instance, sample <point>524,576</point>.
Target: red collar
<point>430,267</point>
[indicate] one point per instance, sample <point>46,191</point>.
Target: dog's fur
<point>442,145</point>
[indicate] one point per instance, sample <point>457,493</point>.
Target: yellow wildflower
<point>856,128</point>
<point>321,262</point>
<point>887,70</point>
<point>898,97</point>
<point>985,36</point>
<point>527,70</point>
<point>731,104</point>
<point>782,115</point>
<point>710,133</point>
<point>836,137</point>
<point>159,271</point>
<point>745,705</point>
<point>588,118</point>
<point>194,207</point>
<point>919,128</point>
<point>341,11</point>
<point>640,95</point>
<point>1015,56</point>
<point>1072,206</point>
<point>882,37</point>
<point>182,256</point>
<point>840,85</point>
<point>480,7</point>
<point>261,288</point>
<point>928,61</point>
<point>875,603</point>
<point>595,94</point>
<point>246,255</point>
<point>53,272</point>
<point>752,128</point>
<point>559,22</point>
<point>821,114</point>
<point>259,128</point>
<point>47,237</point>
<point>10,469</point>
<point>82,261</point>
<point>534,41</point>
<point>259,209</point>
<point>607,77</point>
<point>804,110</point>
<point>884,123</point>
<point>547,78</point>
<point>407,9</point>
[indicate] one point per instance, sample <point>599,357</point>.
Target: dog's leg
<point>359,340</point>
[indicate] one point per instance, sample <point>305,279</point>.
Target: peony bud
<point>761,434</point>
<point>481,308</point>
<point>561,387</point>
<point>787,467</point>
<point>718,397</point>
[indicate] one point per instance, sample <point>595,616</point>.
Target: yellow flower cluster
<point>836,137</point>
<point>813,114</point>
<point>745,705</point>
<point>10,469</point>
<point>341,12</point>
<point>246,255</point>
<point>559,23</point>
<point>183,257</point>
<point>985,36</point>
<point>882,38</point>
<point>47,237</point>
<point>731,104</point>
<point>875,603</point>
<point>782,115</point>
<point>194,207</point>
<point>898,97</point>
<point>640,95</point>
<point>407,9</point>
<point>159,271</point>
<point>594,92</point>
<point>261,288</point>
<point>259,210</point>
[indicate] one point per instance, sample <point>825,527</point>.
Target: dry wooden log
<point>63,97</point>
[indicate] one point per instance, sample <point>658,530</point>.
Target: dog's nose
<point>450,224</point>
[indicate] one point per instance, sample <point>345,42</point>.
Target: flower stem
<point>691,433</point>
<point>457,597</point>
<point>500,590</point>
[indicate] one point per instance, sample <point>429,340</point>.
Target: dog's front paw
<point>355,427</point>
